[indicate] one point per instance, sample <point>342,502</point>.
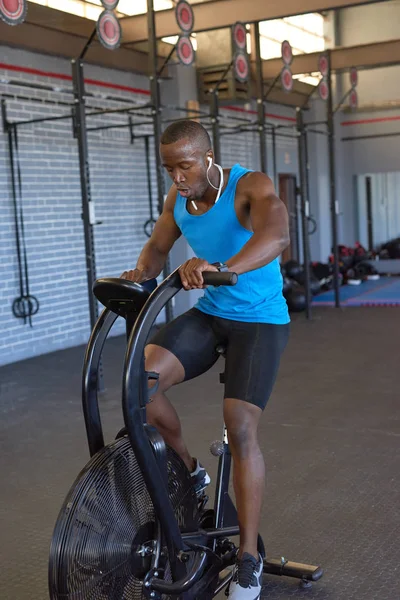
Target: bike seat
<point>121,296</point>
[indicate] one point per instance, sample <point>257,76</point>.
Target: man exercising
<point>233,221</point>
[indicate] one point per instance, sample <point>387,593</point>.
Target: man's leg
<point>179,351</point>
<point>160,411</point>
<point>253,356</point>
<point>241,419</point>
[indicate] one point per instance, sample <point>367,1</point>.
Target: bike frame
<point>134,400</point>
<point>149,449</point>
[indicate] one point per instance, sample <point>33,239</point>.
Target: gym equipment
<point>392,248</point>
<point>296,298</point>
<point>131,525</point>
<point>292,268</point>
<point>25,306</point>
<point>294,271</point>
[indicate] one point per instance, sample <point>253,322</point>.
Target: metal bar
<point>332,175</point>
<point>148,172</point>
<point>215,126</point>
<point>317,131</point>
<point>370,222</point>
<point>216,87</point>
<point>81,134</point>
<point>304,206</point>
<point>86,47</point>
<point>370,137</point>
<point>199,118</point>
<point>166,61</point>
<point>270,89</point>
<point>274,165</point>
<point>260,102</point>
<point>122,126</point>
<point>315,123</point>
<point>42,120</point>
<point>110,111</point>
<point>186,110</point>
<point>347,94</point>
<point>156,113</point>
<point>309,96</point>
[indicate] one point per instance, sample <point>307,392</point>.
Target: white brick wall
<point>52,209</point>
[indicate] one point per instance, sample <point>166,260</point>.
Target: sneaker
<point>200,478</point>
<point>247,579</point>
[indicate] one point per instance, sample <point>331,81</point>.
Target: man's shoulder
<point>253,180</point>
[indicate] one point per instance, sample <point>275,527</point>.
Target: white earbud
<point>210,161</point>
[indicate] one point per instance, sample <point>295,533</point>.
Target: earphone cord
<point>221,182</point>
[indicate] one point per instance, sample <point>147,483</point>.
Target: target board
<point>13,12</point>
<point>109,30</point>
<point>184,16</point>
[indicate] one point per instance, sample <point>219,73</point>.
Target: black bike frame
<point>134,399</point>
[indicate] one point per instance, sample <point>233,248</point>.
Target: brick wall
<point>52,206</point>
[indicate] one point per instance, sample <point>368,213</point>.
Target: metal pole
<point>87,204</point>
<point>260,102</point>
<point>274,165</point>
<point>215,126</point>
<point>333,202</point>
<point>304,207</point>
<point>156,112</point>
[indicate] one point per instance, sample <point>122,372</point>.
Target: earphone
<point>221,181</point>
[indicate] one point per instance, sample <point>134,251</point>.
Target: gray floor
<point>330,437</point>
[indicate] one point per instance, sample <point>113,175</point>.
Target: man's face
<point>187,167</point>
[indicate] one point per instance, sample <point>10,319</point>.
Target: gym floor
<point>330,436</point>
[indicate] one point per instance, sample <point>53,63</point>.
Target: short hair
<point>186,128</point>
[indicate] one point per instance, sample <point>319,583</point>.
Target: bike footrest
<point>288,568</point>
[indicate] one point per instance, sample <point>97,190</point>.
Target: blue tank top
<point>216,236</point>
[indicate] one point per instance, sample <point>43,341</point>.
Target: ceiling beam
<point>366,56</point>
<point>217,14</point>
<point>54,32</point>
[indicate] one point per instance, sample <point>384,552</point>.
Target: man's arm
<point>154,254</point>
<point>270,224</point>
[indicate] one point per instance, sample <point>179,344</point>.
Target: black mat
<point>331,438</point>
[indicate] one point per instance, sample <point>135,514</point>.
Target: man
<point>233,221</point>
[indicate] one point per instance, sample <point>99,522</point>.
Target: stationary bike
<point>131,526</point>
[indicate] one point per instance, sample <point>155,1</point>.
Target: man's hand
<point>136,275</point>
<point>191,273</point>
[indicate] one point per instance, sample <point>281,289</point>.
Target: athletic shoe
<point>200,478</point>
<point>247,579</point>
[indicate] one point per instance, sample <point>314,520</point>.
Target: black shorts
<point>252,357</point>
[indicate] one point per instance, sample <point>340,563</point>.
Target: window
<point>90,9</point>
<point>304,32</point>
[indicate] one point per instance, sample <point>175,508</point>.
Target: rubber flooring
<point>330,436</point>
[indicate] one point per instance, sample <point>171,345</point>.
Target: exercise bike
<point>131,526</point>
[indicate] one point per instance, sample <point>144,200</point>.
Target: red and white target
<point>241,67</point>
<point>185,51</point>
<point>287,79</point>
<point>109,30</point>
<point>110,4</point>
<point>184,16</point>
<point>287,53</point>
<point>323,65</point>
<point>323,90</point>
<point>353,99</point>
<point>239,35</point>
<point>353,77</point>
<point>13,12</point>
